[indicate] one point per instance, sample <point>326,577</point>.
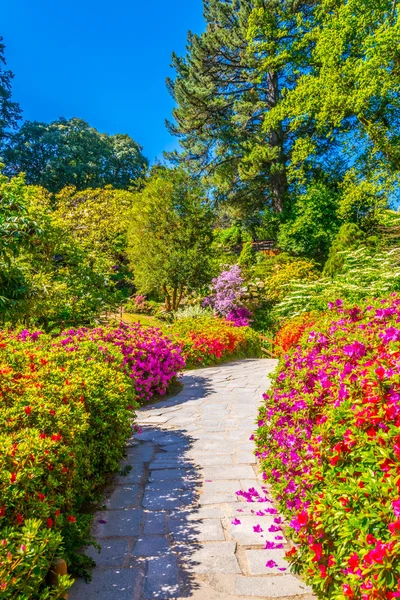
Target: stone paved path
<point>166,530</point>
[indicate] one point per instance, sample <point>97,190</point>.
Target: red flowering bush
<point>329,443</point>
<point>210,340</point>
<point>65,416</point>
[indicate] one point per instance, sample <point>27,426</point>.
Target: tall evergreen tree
<point>10,112</point>
<point>222,96</point>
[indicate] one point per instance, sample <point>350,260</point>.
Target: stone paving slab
<point>167,530</point>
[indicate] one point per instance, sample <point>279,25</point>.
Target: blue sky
<point>105,62</point>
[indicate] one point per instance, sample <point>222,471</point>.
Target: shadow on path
<point>149,528</point>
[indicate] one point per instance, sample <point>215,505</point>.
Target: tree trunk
<point>174,298</point>
<point>167,298</point>
<point>279,184</point>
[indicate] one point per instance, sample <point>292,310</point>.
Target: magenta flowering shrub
<point>148,356</point>
<point>239,317</point>
<point>329,442</point>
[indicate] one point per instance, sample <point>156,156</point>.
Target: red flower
<point>28,410</point>
<point>380,372</point>
<point>317,549</point>
<point>50,523</point>
<point>394,527</point>
<point>52,412</point>
<point>71,519</point>
<point>2,511</point>
<point>41,497</point>
<point>56,437</point>
<point>20,519</point>
<point>347,591</point>
<point>13,477</point>
<point>354,562</point>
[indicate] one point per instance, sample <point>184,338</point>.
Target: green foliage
<point>247,256</point>
<point>192,312</point>
<point>365,273</point>
<point>354,79</point>
<point>313,225</point>
<point>221,96</point>
<point>16,226</point>
<point>60,265</point>
<point>227,240</point>
<point>348,237</point>
<point>71,153</point>
<point>97,221</point>
<point>169,236</point>
<point>65,418</point>
<point>25,557</point>
<point>286,275</point>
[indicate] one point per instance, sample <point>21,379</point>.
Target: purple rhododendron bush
<point>66,412</point>
<point>329,441</point>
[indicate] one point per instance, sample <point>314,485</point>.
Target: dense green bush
<point>349,237</point>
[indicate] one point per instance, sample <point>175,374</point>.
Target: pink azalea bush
<point>329,442</point>
<point>150,358</point>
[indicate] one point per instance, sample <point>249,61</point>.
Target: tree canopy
<point>70,152</point>
<point>276,99</point>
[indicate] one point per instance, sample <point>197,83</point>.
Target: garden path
<point>166,529</point>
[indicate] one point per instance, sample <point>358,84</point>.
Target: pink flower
<point>236,522</point>
<point>396,507</point>
<point>271,564</point>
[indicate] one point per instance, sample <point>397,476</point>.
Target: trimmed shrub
<point>329,443</point>
<point>65,416</point>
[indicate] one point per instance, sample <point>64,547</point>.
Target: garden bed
<point>67,410</point>
<point>329,443</point>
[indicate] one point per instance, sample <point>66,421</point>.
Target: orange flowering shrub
<point>65,416</point>
<point>291,333</point>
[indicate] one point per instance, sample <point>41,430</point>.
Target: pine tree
<point>234,74</point>
<point>10,112</point>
